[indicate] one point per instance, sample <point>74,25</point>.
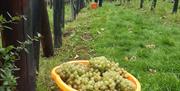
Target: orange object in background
<point>64,87</point>
<point>93,5</point>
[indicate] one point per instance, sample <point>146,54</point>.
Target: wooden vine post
<point>20,32</point>
<point>73,9</point>
<point>175,7</point>
<point>82,4</point>
<point>78,2</point>
<point>141,3</point>
<point>36,27</point>
<point>58,7</point>
<point>63,13</point>
<point>153,6</point>
<point>46,40</point>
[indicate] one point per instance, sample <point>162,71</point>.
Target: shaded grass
<point>122,34</point>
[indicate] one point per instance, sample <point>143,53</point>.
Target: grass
<point>143,42</point>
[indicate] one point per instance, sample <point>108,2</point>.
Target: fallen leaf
<point>152,70</point>
<point>77,56</point>
<point>98,32</point>
<point>150,46</point>
<point>126,58</point>
<point>132,58</point>
<point>102,29</point>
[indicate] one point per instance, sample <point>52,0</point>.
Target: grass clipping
<point>100,75</point>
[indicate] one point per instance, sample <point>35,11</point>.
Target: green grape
<point>100,75</point>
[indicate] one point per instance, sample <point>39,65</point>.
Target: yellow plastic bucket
<point>64,87</point>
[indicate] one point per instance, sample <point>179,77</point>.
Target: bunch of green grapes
<point>100,75</point>
<point>102,64</point>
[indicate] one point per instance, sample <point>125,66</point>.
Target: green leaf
<point>2,50</point>
<point>9,48</point>
<point>5,83</point>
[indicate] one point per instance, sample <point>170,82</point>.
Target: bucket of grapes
<point>97,74</point>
